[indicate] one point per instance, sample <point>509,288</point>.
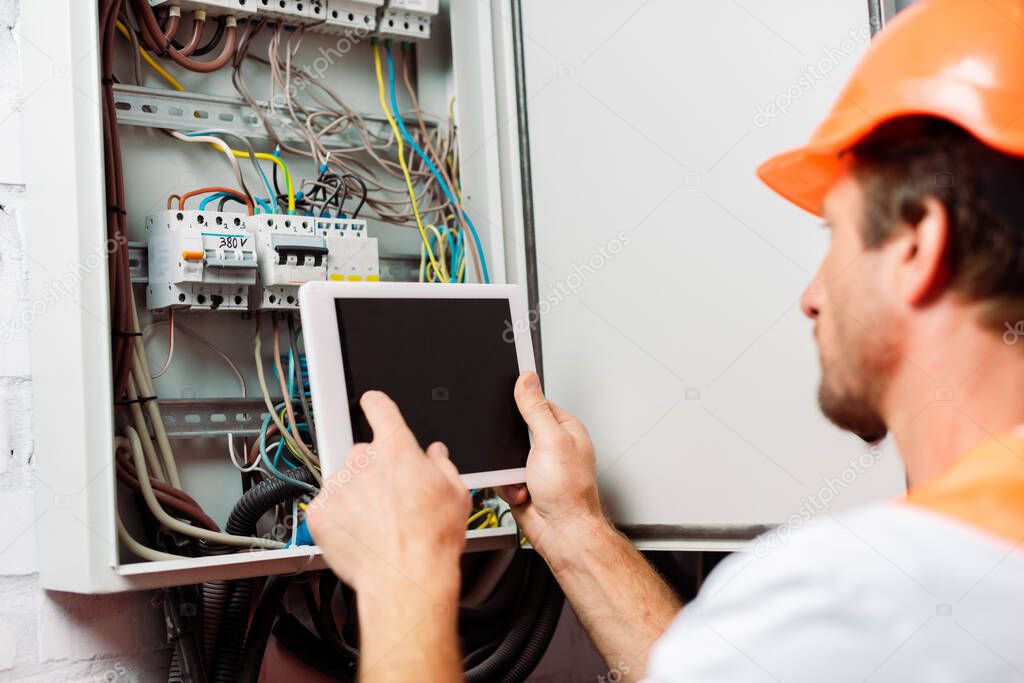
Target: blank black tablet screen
<point>449,364</point>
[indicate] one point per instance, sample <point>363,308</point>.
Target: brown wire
<point>197,35</point>
<point>120,276</point>
<point>168,497</point>
<point>152,36</point>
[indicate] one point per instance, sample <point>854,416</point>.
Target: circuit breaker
<point>200,260</point>
<point>292,250</point>
<point>351,14</point>
<point>407,19</point>
<point>351,254</point>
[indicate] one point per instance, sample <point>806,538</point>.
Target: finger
<point>569,422</point>
<point>534,407</point>
<point>513,494</point>
<point>385,420</point>
<point>437,453</point>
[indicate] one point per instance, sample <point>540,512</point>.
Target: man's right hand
<point>560,494</point>
<point>617,596</point>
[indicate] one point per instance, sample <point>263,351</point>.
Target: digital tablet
<point>448,354</point>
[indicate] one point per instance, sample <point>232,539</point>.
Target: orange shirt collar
<point>985,488</point>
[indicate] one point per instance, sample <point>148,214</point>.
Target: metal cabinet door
<point>669,277</point>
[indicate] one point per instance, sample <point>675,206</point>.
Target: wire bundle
<point>436,168</point>
<point>161,39</point>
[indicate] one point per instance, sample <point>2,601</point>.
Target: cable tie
<point>117,209</point>
<point>140,400</point>
<point>127,333</point>
<point>107,81</point>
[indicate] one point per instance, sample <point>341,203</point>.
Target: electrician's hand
<point>394,518</point>
<point>560,494</point>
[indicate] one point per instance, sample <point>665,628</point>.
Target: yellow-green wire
<point>405,169</point>
<point>284,169</point>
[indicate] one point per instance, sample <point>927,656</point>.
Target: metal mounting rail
<point>170,109</point>
<point>205,418</point>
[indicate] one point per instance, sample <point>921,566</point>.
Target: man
<point>917,174</point>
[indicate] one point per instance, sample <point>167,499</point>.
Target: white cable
<point>139,550</point>
<point>170,345</point>
<point>295,520</point>
<point>239,465</point>
<point>222,146</point>
<point>155,466</point>
<point>241,381</point>
<point>134,446</point>
<point>140,369</point>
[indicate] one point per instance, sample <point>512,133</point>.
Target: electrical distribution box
<point>224,273</point>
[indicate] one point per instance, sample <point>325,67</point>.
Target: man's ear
<point>921,253</point>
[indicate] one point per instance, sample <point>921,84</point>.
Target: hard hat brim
<point>802,176</point>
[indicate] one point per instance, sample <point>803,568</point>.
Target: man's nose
<point>814,294</point>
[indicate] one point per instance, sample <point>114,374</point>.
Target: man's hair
<point>906,161</point>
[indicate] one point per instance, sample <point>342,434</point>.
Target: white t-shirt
<point>887,592</point>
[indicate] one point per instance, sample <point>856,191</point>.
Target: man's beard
<point>851,411</point>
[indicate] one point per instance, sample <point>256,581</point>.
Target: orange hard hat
<point>959,60</point>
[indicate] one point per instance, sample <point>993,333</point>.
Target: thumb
<point>513,494</point>
<point>534,407</point>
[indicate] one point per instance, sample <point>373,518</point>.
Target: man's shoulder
<point>883,543</point>
<point>842,559</point>
<point>847,590</point>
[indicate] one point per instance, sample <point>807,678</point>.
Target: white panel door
<point>669,276</point>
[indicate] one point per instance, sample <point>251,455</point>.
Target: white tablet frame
<point>323,356</point>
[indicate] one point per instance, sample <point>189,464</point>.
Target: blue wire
<point>291,377</point>
<point>270,465</point>
<point>266,181</point>
<point>429,163</point>
<point>457,254</point>
<point>213,197</point>
<point>218,195</point>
